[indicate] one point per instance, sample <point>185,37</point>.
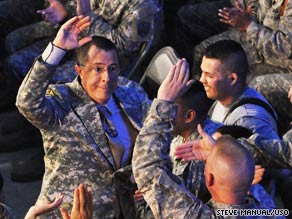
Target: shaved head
<point>231,165</point>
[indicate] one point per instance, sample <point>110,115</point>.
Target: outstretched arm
<point>195,150</point>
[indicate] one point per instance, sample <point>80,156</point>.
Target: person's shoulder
<point>250,92</point>
<point>128,89</point>
<point>124,83</point>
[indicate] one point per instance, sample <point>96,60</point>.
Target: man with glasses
<point>88,125</point>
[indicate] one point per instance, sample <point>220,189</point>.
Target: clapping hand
<point>82,205</point>
<point>237,17</point>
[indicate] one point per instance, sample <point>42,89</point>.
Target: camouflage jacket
<point>126,23</point>
<point>163,191</point>
<point>268,37</point>
<point>76,148</point>
<point>274,153</point>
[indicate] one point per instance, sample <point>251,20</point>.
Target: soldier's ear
<point>78,69</point>
<point>190,116</point>
<point>233,77</point>
<point>209,180</point>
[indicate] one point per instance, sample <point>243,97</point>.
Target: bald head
<point>231,166</point>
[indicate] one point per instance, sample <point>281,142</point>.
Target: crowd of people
<point>218,130</point>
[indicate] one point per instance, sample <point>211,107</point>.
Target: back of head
<point>100,43</point>
<point>196,99</point>
<point>231,54</point>
<point>233,165</point>
<point>235,131</point>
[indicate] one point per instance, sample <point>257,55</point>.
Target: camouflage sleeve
<point>136,26</point>
<point>163,191</point>
<point>273,43</point>
<point>274,153</point>
<point>32,101</point>
<point>144,100</point>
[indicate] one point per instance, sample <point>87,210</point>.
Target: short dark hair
<point>229,50</point>
<point>98,41</point>
<point>196,98</point>
<point>235,131</point>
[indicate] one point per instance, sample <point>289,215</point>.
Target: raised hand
<point>67,36</point>
<point>55,13</point>
<point>37,210</point>
<point>82,205</point>
<point>176,83</point>
<point>195,150</point>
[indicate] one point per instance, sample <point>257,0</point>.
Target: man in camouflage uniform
<point>81,144</point>
<point>193,108</point>
<point>264,30</point>
<point>127,23</point>
<point>165,194</point>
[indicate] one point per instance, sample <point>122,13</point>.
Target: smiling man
<point>89,125</point>
<point>224,71</point>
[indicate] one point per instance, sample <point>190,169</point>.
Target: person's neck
<point>186,134</point>
<point>227,101</point>
<point>188,131</point>
<point>230,198</point>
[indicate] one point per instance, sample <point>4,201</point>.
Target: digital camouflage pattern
<point>76,148</point>
<point>192,173</point>
<point>267,40</point>
<point>273,153</point>
<point>163,191</point>
<point>126,23</point>
<point>275,88</point>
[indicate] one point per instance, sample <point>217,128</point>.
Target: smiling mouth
<point>104,87</point>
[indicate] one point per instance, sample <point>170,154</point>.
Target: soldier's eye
<point>99,69</point>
